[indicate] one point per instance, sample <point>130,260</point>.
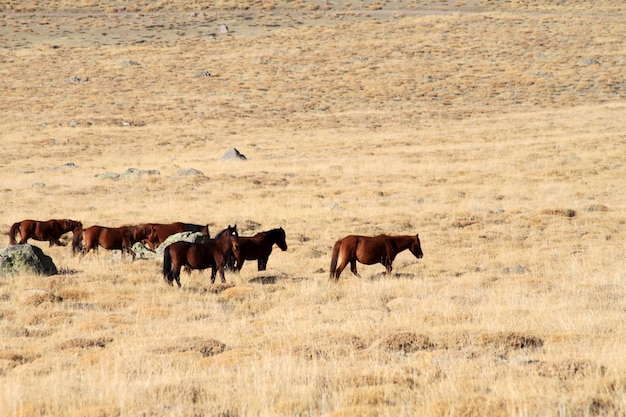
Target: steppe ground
<point>494,129</point>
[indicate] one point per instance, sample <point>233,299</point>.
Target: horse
<point>50,230</point>
<point>112,238</point>
<point>370,250</point>
<point>163,231</point>
<point>258,247</point>
<point>210,254</point>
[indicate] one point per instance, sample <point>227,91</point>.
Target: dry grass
<point>494,129</point>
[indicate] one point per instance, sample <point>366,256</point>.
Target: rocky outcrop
<point>20,259</point>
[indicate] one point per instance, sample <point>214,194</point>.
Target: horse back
<point>163,231</point>
<point>107,237</point>
<point>251,247</point>
<point>197,228</point>
<point>192,255</point>
<point>370,249</point>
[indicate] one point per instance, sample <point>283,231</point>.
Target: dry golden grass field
<point>494,129</point>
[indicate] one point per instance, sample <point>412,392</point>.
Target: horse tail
<point>335,257</point>
<point>76,240</point>
<point>12,232</point>
<point>167,263</point>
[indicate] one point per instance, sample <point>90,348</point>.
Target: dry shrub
<point>329,345</point>
<point>560,212</point>
<point>375,396</point>
<point>37,297</point>
<point>566,370</point>
<point>15,357</point>
<point>218,288</point>
<point>265,279</point>
<point>359,411</point>
<point>389,375</point>
<point>73,294</point>
<point>508,341</point>
<point>477,407</point>
<point>236,294</point>
<point>405,343</point>
<point>14,331</point>
<point>190,391</point>
<point>9,360</point>
<point>310,352</point>
<point>205,346</point>
<point>85,343</point>
<point>597,207</point>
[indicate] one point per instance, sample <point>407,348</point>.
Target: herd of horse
<point>227,250</point>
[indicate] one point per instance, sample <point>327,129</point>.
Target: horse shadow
<point>394,275</point>
<point>274,279</point>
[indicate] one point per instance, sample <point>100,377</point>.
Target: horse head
<point>71,225</point>
<point>153,237</point>
<point>416,247</point>
<point>233,238</point>
<point>141,232</point>
<point>282,239</point>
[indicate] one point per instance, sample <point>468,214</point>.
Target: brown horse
<point>258,247</point>
<point>112,238</point>
<point>371,250</point>
<point>163,231</point>
<point>211,254</point>
<point>50,230</point>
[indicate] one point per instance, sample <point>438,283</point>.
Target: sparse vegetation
<point>495,129</point>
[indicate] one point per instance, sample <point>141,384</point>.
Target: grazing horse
<point>258,247</point>
<point>371,250</point>
<point>210,254</point>
<point>163,231</point>
<point>50,230</point>
<point>120,238</point>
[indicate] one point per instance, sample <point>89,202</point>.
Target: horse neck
<point>402,242</point>
<point>277,235</point>
<point>223,240</point>
<point>273,235</point>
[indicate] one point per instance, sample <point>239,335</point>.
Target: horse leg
<point>340,268</point>
<point>353,268</point>
<point>174,274</point>
<point>239,266</point>
<point>388,260</point>
<point>388,267</point>
<point>221,269</point>
<point>213,274</point>
<point>262,264</point>
<point>177,276</point>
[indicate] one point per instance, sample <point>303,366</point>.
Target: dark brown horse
<point>112,238</point>
<point>371,250</point>
<point>163,231</point>
<point>50,230</point>
<point>210,254</point>
<point>258,247</point>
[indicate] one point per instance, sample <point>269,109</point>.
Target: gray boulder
<point>132,173</point>
<point>141,251</point>
<point>233,155</point>
<point>193,237</point>
<point>189,172</point>
<point>19,259</point>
